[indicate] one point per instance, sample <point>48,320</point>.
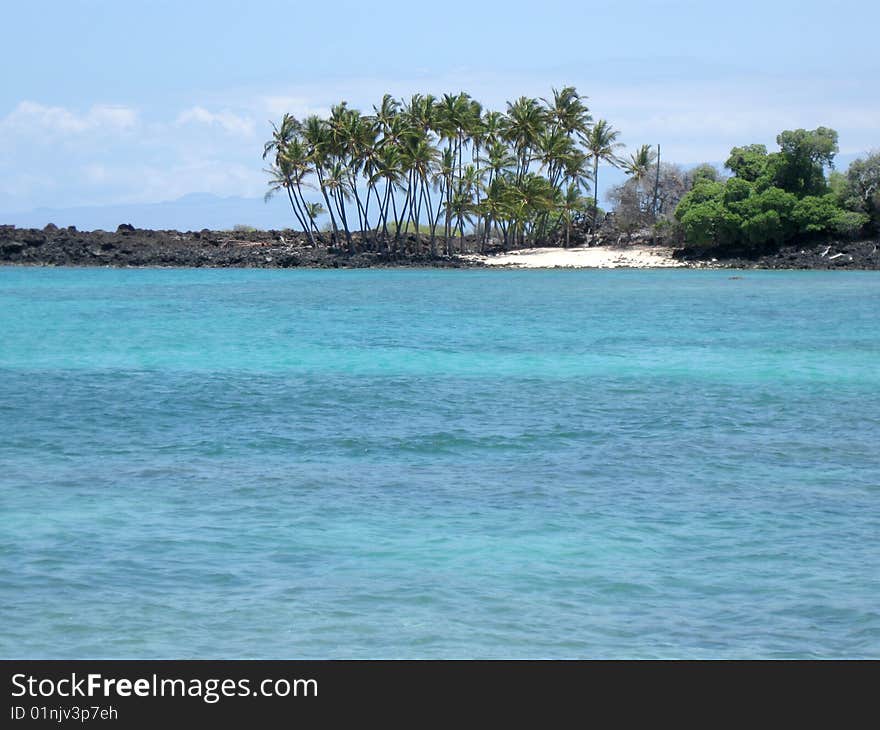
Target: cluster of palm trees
<point>441,167</point>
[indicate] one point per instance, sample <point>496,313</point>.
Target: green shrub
<point>850,223</point>
<point>773,198</point>
<point>763,228</point>
<point>711,223</point>
<point>749,162</point>
<point>815,214</point>
<point>736,191</point>
<point>859,191</point>
<point>704,173</point>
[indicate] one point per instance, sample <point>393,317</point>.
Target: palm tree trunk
<point>595,192</point>
<point>295,207</point>
<point>335,238</point>
<point>370,191</point>
<point>448,225</point>
<point>304,209</point>
<point>397,234</point>
<point>383,211</point>
<point>360,207</point>
<point>432,225</point>
<point>340,206</point>
<point>656,185</point>
<point>402,221</point>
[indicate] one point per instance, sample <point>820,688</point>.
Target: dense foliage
<point>444,166</point>
<point>859,189</point>
<point>776,197</point>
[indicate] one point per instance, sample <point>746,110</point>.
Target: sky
<point>107,103</point>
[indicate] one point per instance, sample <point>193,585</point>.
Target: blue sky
<point>107,103</point>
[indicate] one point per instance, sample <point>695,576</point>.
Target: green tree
<point>704,171</point>
<point>317,138</point>
<point>749,162</point>
<point>860,192</point>
<point>639,163</point>
<point>804,154</point>
<point>601,143</point>
<point>525,121</point>
<point>290,167</point>
<point>773,197</point>
<point>573,203</point>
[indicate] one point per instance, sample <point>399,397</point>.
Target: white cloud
<point>214,175</point>
<point>95,159</point>
<point>226,120</point>
<point>143,181</point>
<point>693,119</point>
<point>702,120</point>
<point>213,143</point>
<point>32,117</point>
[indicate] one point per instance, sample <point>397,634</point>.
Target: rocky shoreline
<point>864,255</point>
<point>135,247</point>
<point>131,247</point>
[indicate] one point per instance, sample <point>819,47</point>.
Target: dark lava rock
<point>130,246</point>
<point>813,255</point>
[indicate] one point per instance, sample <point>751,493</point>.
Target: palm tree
<point>386,112</point>
<point>572,203</point>
<point>492,125</point>
<point>419,160</point>
<point>554,149</point>
<point>313,210</point>
<point>280,179</point>
<point>568,112</point>
<point>336,182</point>
<point>282,134</point>
<point>389,167</point>
<point>353,138</point>
<point>639,163</point>
<point>525,121</point>
<point>290,167</point>
<point>527,201</point>
<point>499,162</point>
<point>601,142</point>
<point>638,166</point>
<point>462,203</point>
<point>316,134</point>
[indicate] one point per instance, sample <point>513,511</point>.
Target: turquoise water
<point>243,463</point>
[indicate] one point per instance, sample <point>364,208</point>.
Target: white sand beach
<point>595,257</point>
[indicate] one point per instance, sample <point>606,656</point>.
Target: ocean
<point>431,463</point>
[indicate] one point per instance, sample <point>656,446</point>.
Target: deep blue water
<point>249,463</point>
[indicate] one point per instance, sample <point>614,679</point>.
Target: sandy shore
<point>596,257</point>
